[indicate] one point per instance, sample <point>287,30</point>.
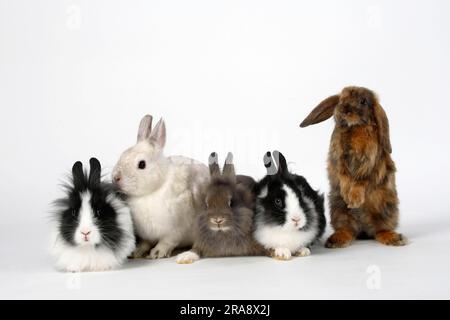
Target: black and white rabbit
<point>93,227</point>
<point>289,213</point>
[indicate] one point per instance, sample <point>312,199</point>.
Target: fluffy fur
<point>93,227</point>
<point>363,196</point>
<point>225,228</point>
<point>164,193</point>
<point>289,213</point>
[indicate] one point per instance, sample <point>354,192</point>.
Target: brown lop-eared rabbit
<point>363,197</point>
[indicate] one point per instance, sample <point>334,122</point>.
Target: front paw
<point>356,197</point>
<point>141,250</point>
<point>303,252</point>
<point>187,257</point>
<point>282,254</point>
<point>159,252</point>
<point>74,269</point>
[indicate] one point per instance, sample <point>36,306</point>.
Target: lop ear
<point>281,162</point>
<point>214,169</point>
<point>158,135</point>
<point>383,128</point>
<point>78,176</point>
<point>145,128</point>
<point>95,172</point>
<point>322,112</point>
<point>228,168</point>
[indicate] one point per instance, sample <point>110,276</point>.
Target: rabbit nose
<point>85,233</point>
<point>117,178</point>
<point>296,219</point>
<point>217,220</point>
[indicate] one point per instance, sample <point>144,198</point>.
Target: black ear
<point>269,164</point>
<point>95,172</point>
<point>281,162</point>
<point>78,176</point>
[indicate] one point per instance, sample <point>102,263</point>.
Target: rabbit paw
<point>340,239</point>
<point>391,238</point>
<point>187,257</point>
<point>160,251</point>
<point>141,250</point>
<point>73,269</point>
<point>356,197</point>
<point>282,254</point>
<point>303,252</point>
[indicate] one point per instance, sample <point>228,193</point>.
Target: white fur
<point>164,197</point>
<point>287,236</point>
<point>293,210</point>
<point>283,253</point>
<point>93,255</point>
<point>86,224</point>
<point>187,257</point>
<point>304,252</point>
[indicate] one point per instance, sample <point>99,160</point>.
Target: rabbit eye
<point>363,101</point>
<point>97,212</point>
<point>141,165</point>
<point>74,213</point>
<point>278,202</point>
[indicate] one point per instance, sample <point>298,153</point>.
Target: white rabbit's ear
<point>145,128</point>
<point>158,135</point>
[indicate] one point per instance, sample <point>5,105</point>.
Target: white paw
<point>159,252</point>
<point>282,254</point>
<point>187,257</point>
<point>303,252</point>
<point>73,269</point>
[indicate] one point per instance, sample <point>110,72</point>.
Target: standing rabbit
<point>363,196</point>
<point>164,193</point>
<point>289,213</point>
<point>225,228</point>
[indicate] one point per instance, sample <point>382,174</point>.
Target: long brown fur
<point>363,197</point>
<point>229,198</point>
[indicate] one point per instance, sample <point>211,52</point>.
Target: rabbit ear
<point>214,168</point>
<point>322,112</point>
<point>158,135</point>
<point>270,164</point>
<point>145,128</point>
<point>95,172</point>
<point>228,168</point>
<point>383,127</point>
<point>78,176</point>
<point>281,162</point>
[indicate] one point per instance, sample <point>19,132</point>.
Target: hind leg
<point>345,225</point>
<point>381,218</point>
<point>391,238</point>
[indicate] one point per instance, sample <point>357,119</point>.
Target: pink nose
<point>85,233</point>
<point>117,178</point>
<point>296,219</point>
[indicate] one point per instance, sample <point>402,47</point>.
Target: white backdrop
<point>77,76</point>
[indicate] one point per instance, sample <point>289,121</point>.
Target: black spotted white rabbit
<point>93,227</point>
<point>289,213</point>
<point>225,228</point>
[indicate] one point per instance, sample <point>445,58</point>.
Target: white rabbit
<point>164,193</point>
